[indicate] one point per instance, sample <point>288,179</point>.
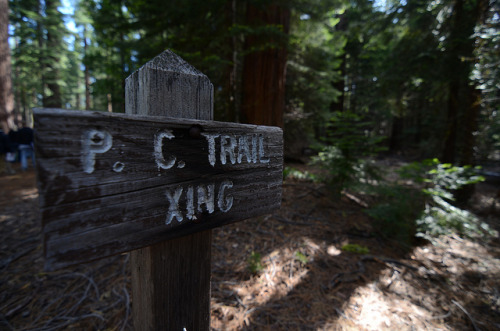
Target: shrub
<point>254,263</point>
<point>396,211</point>
<point>426,208</point>
<point>345,152</point>
<point>440,216</point>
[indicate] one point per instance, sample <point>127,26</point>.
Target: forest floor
<point>301,279</point>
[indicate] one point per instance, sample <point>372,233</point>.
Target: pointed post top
<point>169,86</point>
<point>169,61</point>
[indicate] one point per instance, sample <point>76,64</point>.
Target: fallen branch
<point>284,220</point>
<point>355,199</point>
<point>5,263</point>
<point>356,275</point>
<point>127,309</point>
<point>387,260</point>
<point>474,326</point>
<point>18,307</point>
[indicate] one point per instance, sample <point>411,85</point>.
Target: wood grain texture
<point>171,279</point>
<point>169,86</point>
<point>112,183</point>
<point>171,284</point>
<point>91,215</point>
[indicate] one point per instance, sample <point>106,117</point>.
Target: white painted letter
<point>224,203</point>
<point>254,148</point>
<point>158,153</point>
<point>227,148</point>
<point>261,150</point>
<point>211,146</point>
<point>173,208</point>
<point>206,197</point>
<point>94,142</point>
<point>190,203</point>
<point>244,149</point>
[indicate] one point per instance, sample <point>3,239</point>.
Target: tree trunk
<point>339,85</point>
<point>233,73</point>
<point>6,94</point>
<point>41,50</point>
<point>461,100</point>
<point>470,125</point>
<point>464,100</point>
<point>264,67</point>
<point>395,140</point>
<point>86,72</point>
<point>471,114</point>
<point>451,124</point>
<point>54,41</point>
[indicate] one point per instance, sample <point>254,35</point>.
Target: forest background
<point>349,81</point>
<point>422,74</point>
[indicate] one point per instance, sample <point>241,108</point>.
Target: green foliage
<point>349,144</point>
<point>396,211</point>
<point>290,172</point>
<point>445,178</point>
<point>254,263</point>
<point>440,217</point>
<point>486,76</point>
<point>392,65</point>
<point>299,256</point>
<point>313,63</point>
<point>425,209</point>
<point>355,248</point>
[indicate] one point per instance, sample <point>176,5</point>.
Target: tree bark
<point>462,105</point>
<point>6,94</point>
<point>86,71</point>
<point>233,87</point>
<point>451,124</point>
<point>464,100</point>
<point>264,67</point>
<point>54,40</point>
<point>41,50</point>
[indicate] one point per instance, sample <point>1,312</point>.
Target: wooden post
<point>113,183</point>
<point>171,280</point>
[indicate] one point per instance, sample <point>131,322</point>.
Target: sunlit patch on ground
<point>305,280</point>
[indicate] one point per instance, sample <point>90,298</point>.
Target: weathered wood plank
<point>96,190</point>
<point>169,86</point>
<point>174,292</point>
<point>164,292</point>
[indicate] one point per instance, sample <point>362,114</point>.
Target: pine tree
<point>264,66</point>
<point>54,26</point>
<point>6,94</point>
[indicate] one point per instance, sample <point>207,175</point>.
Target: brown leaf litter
<point>303,279</point>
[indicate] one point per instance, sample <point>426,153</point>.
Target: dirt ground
<point>302,279</point>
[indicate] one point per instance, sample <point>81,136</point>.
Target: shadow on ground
<point>303,279</point>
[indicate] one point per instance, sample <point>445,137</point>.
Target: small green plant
<point>396,211</point>
<point>301,257</point>
<point>290,172</point>
<point>440,216</point>
<point>345,153</point>
<point>426,208</point>
<point>255,263</point>
<point>355,248</point>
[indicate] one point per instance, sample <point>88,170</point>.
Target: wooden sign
<point>111,183</point>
